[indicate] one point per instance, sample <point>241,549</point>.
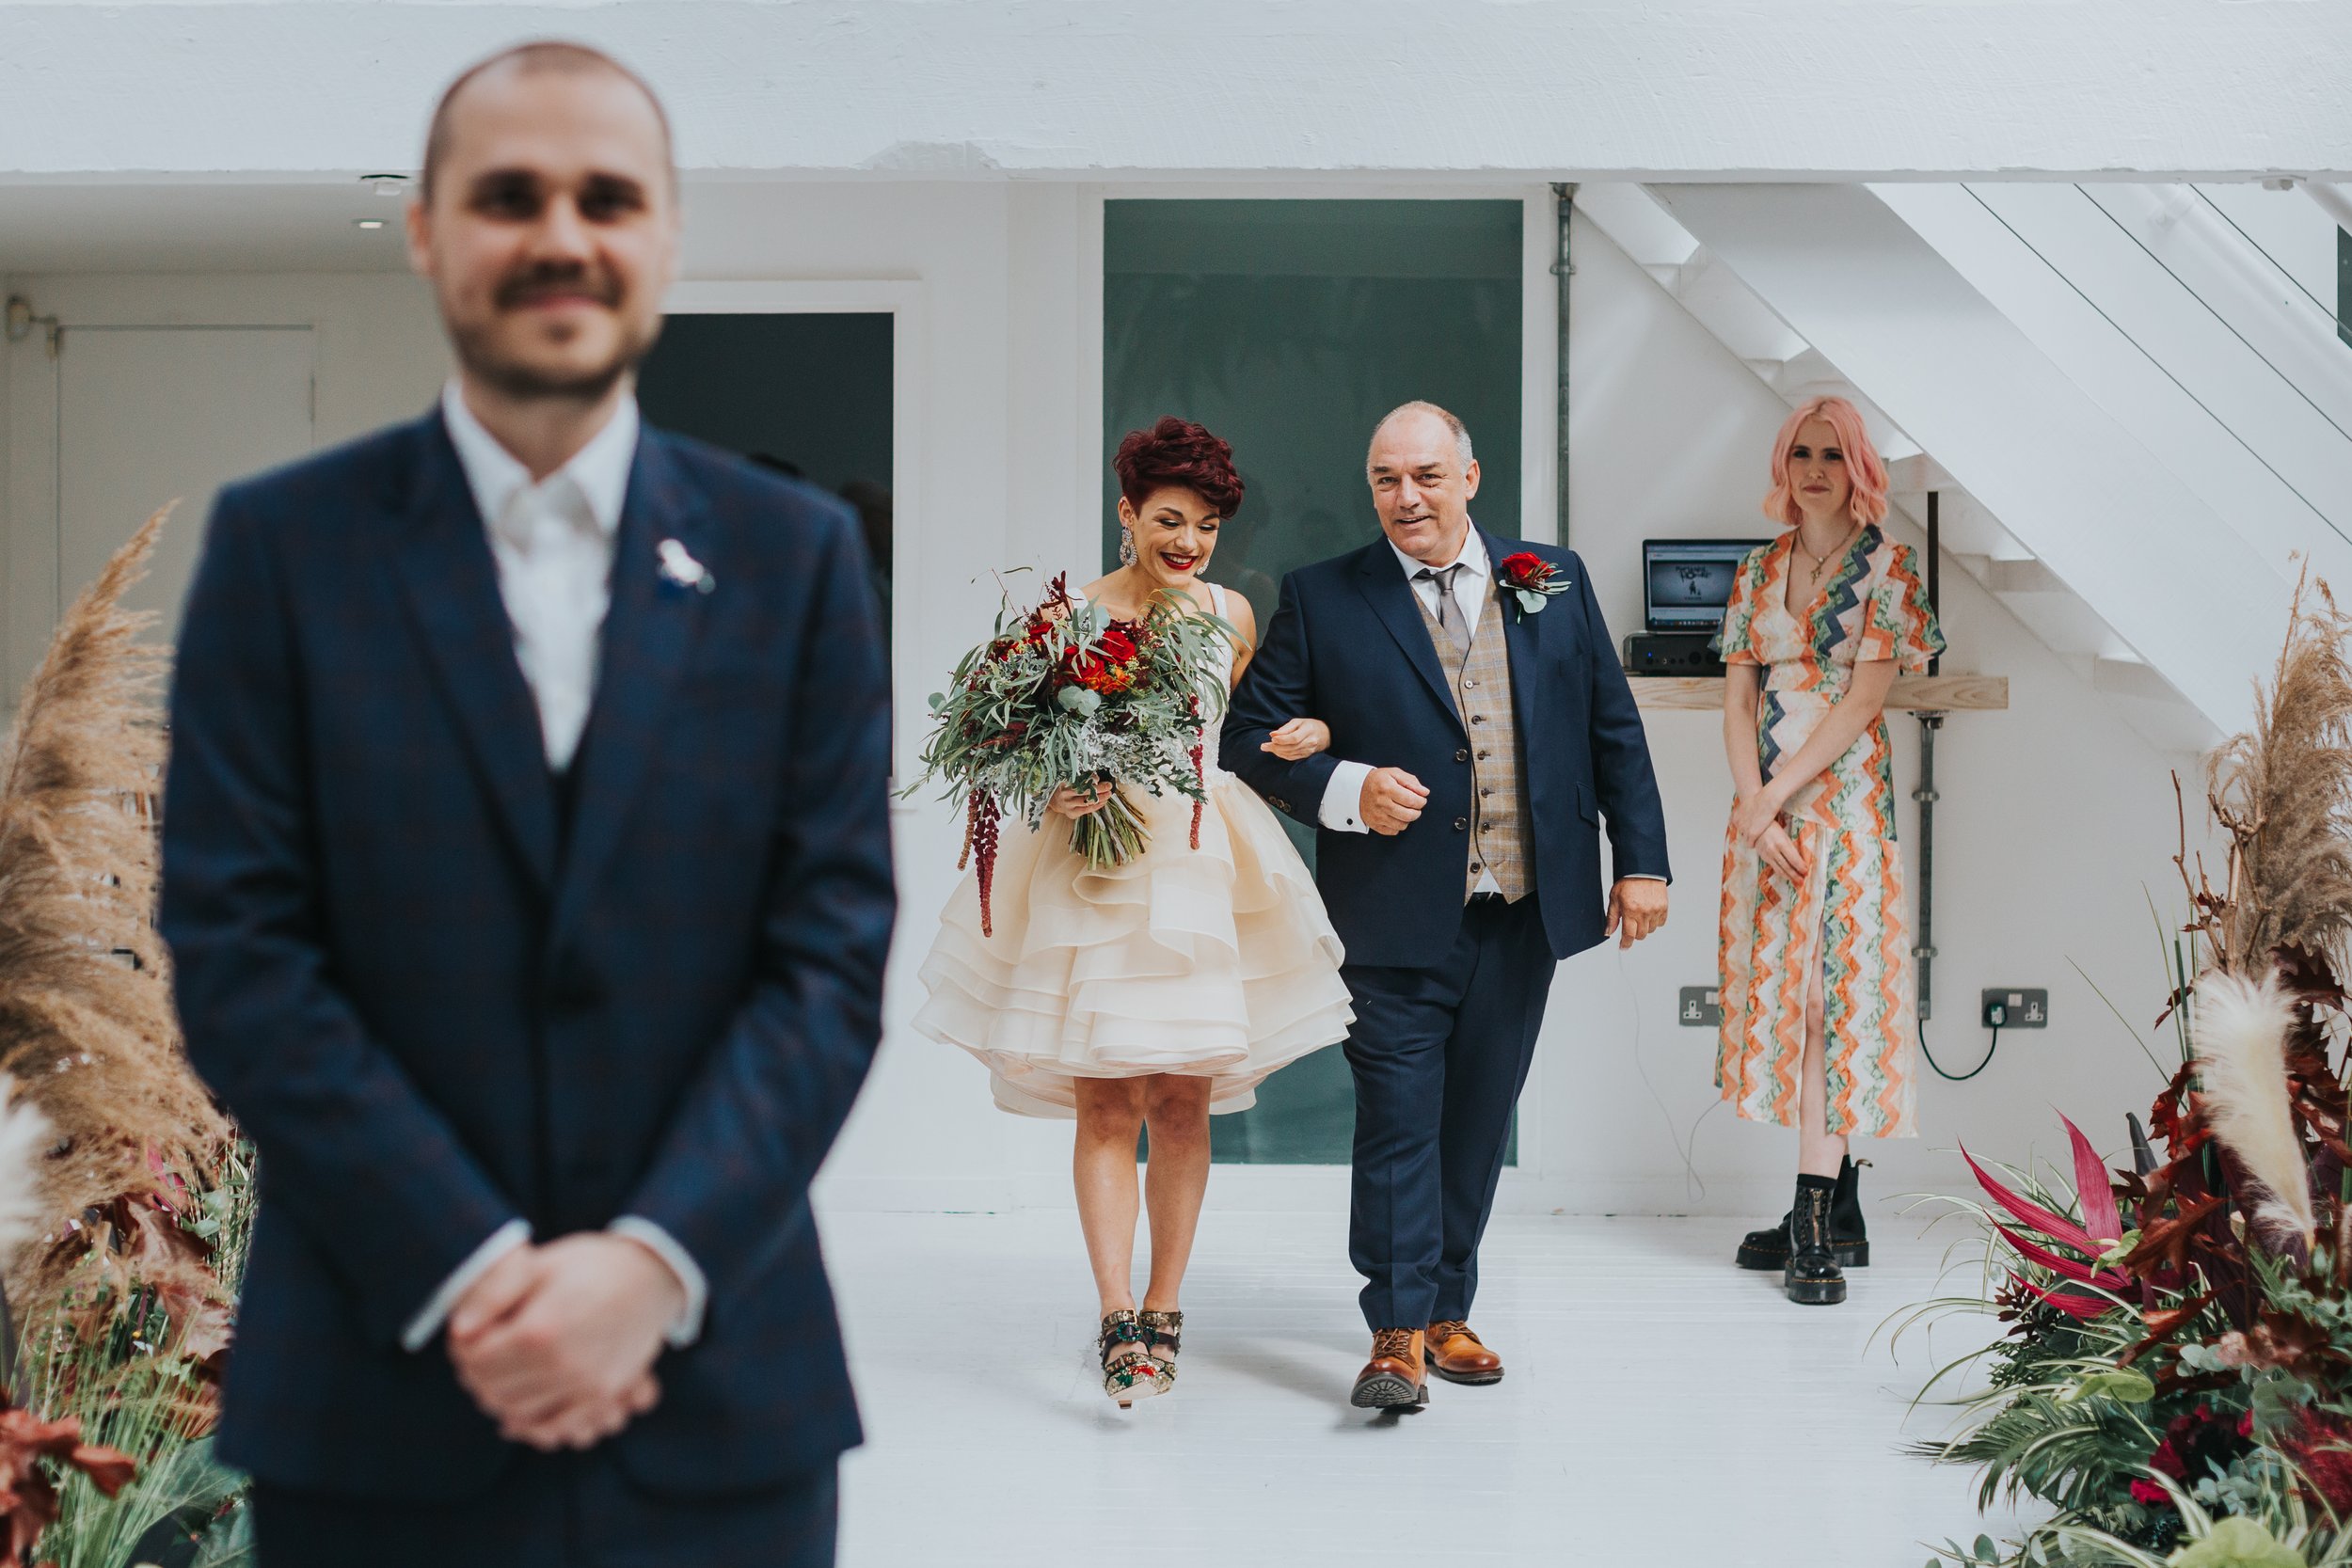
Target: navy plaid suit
<point>433,1017</point>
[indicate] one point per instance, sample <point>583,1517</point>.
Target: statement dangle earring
<point>1126,547</point>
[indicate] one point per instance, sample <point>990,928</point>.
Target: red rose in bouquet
<point>1110,667</point>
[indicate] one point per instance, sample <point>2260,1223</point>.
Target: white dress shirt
<point>553,543</point>
<point>1343,808</point>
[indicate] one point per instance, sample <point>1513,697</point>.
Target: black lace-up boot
<point>1811,1276</point>
<point>1849,1237</point>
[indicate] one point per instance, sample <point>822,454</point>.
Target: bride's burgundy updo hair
<point>1177,451</point>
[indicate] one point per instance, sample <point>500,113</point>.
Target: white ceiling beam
<point>1649,89</point>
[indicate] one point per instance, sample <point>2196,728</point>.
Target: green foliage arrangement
<point>2176,1383</point>
<point>132,1352</point>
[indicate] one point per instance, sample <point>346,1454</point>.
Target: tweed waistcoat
<point>1499,836</point>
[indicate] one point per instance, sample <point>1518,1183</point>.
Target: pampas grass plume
<point>87,1025</point>
<point>2240,1031</point>
<point>2284,790</point>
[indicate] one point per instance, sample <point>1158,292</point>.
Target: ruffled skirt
<point>1217,962</point>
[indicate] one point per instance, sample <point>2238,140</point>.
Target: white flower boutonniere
<point>682,570</point>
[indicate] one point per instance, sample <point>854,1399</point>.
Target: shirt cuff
<point>506,1238</point>
<point>1343,809</point>
<point>687,1326</point>
<point>1641,877</point>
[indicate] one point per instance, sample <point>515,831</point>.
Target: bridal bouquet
<point>1064,694</point>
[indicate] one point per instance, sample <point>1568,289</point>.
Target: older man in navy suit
<point>526,866</point>
<point>1480,730</point>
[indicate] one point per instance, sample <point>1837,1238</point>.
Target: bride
<point>1160,992</point>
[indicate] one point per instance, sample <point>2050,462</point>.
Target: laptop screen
<point>1689,580</point>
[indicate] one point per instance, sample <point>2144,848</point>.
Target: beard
<point>483,349</point>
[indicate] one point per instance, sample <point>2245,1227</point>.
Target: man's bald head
<point>553,56</point>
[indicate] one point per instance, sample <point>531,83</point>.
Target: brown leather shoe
<point>1395,1377</point>
<point>1458,1355</point>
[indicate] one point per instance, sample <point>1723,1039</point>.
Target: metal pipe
<point>1935,565</point>
<point>1924,952</point>
<point>1563,269</point>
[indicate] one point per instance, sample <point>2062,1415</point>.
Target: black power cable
<point>1959,1077</point>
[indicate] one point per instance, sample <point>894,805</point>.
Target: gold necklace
<point>1820,563</point>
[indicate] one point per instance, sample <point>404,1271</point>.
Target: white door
<point>145,415</point>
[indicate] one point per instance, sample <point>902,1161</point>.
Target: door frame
<point>902,300</point>
<point>1536,1184</point>
<point>34,402</point>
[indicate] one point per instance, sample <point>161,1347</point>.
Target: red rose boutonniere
<point>1531,579</point>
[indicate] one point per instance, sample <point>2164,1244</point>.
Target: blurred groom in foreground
<point>526,869</point>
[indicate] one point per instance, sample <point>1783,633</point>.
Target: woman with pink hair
<point>1820,1031</point>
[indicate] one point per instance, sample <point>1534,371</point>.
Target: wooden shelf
<point>1952,693</point>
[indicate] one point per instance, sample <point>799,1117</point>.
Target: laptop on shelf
<point>1686,583</point>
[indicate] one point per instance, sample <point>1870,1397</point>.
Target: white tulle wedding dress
<point>1217,963</point>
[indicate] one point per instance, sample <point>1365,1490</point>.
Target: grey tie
<point>1449,617</point>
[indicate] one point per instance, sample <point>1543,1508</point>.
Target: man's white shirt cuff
<point>506,1238</point>
<point>1343,809</point>
<point>687,1326</point>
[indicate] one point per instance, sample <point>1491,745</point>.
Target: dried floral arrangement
<point>125,1199</point>
<point>2176,1383</point>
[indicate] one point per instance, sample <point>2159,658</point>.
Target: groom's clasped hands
<point>556,1342</point>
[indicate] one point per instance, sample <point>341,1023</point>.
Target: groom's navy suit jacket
<point>437,1000</point>
<point>1348,645</point>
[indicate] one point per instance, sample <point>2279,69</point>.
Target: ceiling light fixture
<point>386,184</point>
<point>367,223</point>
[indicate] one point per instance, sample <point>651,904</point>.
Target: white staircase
<point>2134,412</point>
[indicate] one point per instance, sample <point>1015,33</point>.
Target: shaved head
<point>547,57</point>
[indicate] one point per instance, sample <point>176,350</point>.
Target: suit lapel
<point>451,580</point>
<point>1389,593</point>
<point>649,632</point>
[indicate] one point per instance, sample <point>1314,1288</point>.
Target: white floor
<point>1661,1409</point>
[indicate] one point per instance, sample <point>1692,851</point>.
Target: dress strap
<point>1217,599</point>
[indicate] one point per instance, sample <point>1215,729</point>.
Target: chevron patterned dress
<point>1845,921</point>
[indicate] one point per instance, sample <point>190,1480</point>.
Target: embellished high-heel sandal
<point>1163,1337</point>
<point>1129,1373</point>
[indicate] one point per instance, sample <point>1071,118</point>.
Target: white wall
<point>980,88</point>
<point>379,359</point>
<point>2054,816</point>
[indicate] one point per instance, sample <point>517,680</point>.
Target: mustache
<point>547,281</point>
